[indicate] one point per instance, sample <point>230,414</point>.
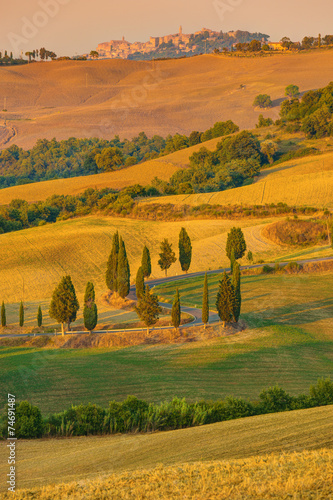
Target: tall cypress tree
<point>185,250</point>
<point>175,312</point>
<point>3,314</point>
<point>236,283</point>
<point>225,299</point>
<point>64,304</point>
<point>237,242</point>
<point>123,271</point>
<point>90,309</point>
<point>21,321</point>
<point>112,265</point>
<point>146,262</point>
<point>205,302</point>
<point>39,317</point>
<point>148,308</point>
<point>232,259</point>
<point>167,256</point>
<point>139,283</point>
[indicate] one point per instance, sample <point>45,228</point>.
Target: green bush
<point>322,392</point>
<point>293,268</point>
<point>29,422</point>
<point>275,399</point>
<point>267,269</point>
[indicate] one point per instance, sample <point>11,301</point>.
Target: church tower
<point>180,30</point>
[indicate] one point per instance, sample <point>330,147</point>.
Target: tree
<point>175,312</point>
<point>109,159</point>
<point>205,302</point>
<point>292,91</point>
<point>269,148</point>
<point>94,54</point>
<point>185,250</point>
<point>64,304</point>
<point>254,46</point>
<point>263,101</point>
<point>146,262</point>
<point>39,317</point>
<point>112,265</point>
<point>236,241</point>
<point>90,314</point>
<point>139,283</point>
<point>123,271</point>
<point>286,42</point>
<point>148,308</point>
<point>225,300</point>
<point>3,315</point>
<point>307,42</point>
<point>236,283</point>
<point>167,256</point>
<point>250,256</point>
<point>21,320</point>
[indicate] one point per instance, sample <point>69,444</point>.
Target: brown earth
<point>104,98</point>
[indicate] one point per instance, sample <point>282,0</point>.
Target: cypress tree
<point>112,265</point>
<point>225,300</point>
<point>39,317</point>
<point>185,250</point>
<point>232,260</point>
<point>140,283</point>
<point>237,242</point>
<point>123,271</point>
<point>148,308</point>
<point>236,283</point>
<point>167,256</point>
<point>175,312</point>
<point>64,304</point>
<point>21,321</point>
<point>90,309</point>
<point>3,314</point>
<point>205,302</point>
<point>146,262</point>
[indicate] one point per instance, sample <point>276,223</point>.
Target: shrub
<point>275,399</point>
<point>29,422</point>
<point>322,392</point>
<point>293,268</point>
<point>267,269</point>
<point>85,419</point>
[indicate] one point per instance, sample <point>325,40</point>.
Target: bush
<point>85,419</point>
<point>267,269</point>
<point>293,268</point>
<point>275,399</point>
<point>29,422</point>
<point>322,392</point>
<point>263,101</point>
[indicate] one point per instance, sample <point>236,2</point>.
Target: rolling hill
<point>103,98</point>
<point>85,458</point>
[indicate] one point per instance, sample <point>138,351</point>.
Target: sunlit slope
<point>143,174</point>
<point>103,98</point>
<point>37,258</point>
<point>307,181</point>
<point>59,461</point>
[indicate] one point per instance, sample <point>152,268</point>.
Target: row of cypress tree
<point>21,315</point>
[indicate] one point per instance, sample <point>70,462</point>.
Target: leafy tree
<point>39,317</point>
<point>90,315</point>
<point>64,304</point>
<point>175,312</point>
<point>21,320</point>
<point>236,241</point>
<point>139,283</point>
<point>109,159</point>
<point>29,421</point>
<point>254,46</point>
<point>185,250</point>
<point>167,256</point>
<point>264,122</point>
<point>263,101</point>
<point>94,54</point>
<point>205,302</point>
<point>269,148</point>
<point>236,283</point>
<point>148,308</point>
<point>123,271</point>
<point>292,91</point>
<point>112,265</point>
<point>286,42</point>
<point>307,42</point>
<point>146,262</point>
<point>3,315</point>
<point>225,300</point>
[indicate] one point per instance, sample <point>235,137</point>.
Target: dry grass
<point>295,232</point>
<point>126,97</point>
<point>306,181</point>
<point>241,446</point>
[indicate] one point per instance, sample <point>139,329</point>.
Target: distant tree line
<point>135,415</point>
<point>74,157</point>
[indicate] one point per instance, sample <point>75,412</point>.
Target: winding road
<point>193,311</point>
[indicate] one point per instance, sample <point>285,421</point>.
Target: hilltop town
<point>203,41</point>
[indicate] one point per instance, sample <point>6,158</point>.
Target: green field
<point>50,461</point>
<point>288,342</point>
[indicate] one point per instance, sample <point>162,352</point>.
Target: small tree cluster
<point>118,270</point>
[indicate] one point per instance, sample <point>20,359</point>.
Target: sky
<point>70,27</point>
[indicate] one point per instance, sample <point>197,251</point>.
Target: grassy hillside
<point>104,98</point>
<point>79,459</point>
<point>288,342</point>
<point>306,181</point>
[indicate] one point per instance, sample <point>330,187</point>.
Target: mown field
<point>288,342</point>
<point>242,468</point>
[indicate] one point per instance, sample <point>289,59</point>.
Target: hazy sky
<point>77,26</point>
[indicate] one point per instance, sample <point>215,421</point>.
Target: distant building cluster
<point>123,48</point>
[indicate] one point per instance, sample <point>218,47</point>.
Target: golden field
<point>103,98</point>
<point>238,448</point>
